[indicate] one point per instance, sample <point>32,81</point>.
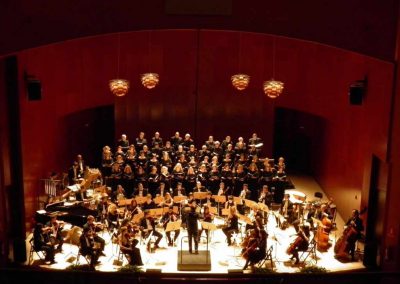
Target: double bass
<point>322,234</point>
<point>341,248</point>
<point>350,235</point>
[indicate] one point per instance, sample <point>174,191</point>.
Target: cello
<point>293,245</point>
<point>249,244</point>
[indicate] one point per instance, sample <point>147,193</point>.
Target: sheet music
<point>74,187</point>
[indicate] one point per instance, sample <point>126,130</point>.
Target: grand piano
<point>75,212</point>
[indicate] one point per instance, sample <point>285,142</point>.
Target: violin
<point>96,226</point>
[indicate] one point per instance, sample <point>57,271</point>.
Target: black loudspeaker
<point>34,89</point>
<point>357,92</point>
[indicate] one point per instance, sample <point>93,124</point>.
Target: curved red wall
<point>195,95</point>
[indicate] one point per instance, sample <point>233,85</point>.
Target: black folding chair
<point>267,257</point>
<point>86,257</point>
<point>33,251</point>
<point>311,253</point>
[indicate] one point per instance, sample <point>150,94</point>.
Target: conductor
<point>192,228</point>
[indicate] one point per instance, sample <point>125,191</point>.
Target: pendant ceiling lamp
<point>273,88</point>
<point>240,81</point>
<point>150,80</point>
<point>119,87</point>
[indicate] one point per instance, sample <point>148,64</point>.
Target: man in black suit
<point>55,236</point>
<point>176,140</point>
<point>254,140</point>
<point>123,142</point>
<point>74,174</point>
<point>356,222</point>
<point>90,225</point>
<point>192,228</point>
<point>40,243</point>
<point>87,246</point>
<point>157,140</point>
<point>140,142</point>
<point>81,165</point>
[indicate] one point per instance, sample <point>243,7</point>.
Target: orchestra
<point>142,178</point>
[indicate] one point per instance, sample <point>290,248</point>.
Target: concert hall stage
<point>223,258</point>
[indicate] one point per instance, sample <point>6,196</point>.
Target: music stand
<point>140,199</point>
<point>219,199</point>
<point>214,210</point>
<point>263,207</point>
<point>137,217</point>
<point>244,218</point>
<point>250,203</point>
<point>158,199</point>
<point>124,202</point>
<point>180,199</point>
<point>200,196</point>
<point>209,227</point>
<point>237,200</point>
<point>173,226</point>
<point>156,212</point>
<point>225,211</point>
